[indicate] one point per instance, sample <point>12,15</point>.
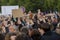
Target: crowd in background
<point>38,26</point>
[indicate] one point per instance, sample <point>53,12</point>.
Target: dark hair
<point>21,36</point>
<point>9,22</point>
<point>8,35</point>
<point>45,27</point>
<point>35,34</point>
<point>16,18</point>
<point>24,30</point>
<point>20,26</point>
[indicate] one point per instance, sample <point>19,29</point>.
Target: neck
<point>42,33</point>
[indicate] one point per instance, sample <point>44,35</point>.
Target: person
<point>30,15</point>
<point>18,23</point>
<point>35,25</point>
<point>10,36</point>
<point>4,26</point>
<point>35,34</point>
<point>45,31</point>
<point>56,34</point>
<point>12,29</point>
<point>26,31</point>
<point>22,36</point>
<point>54,22</point>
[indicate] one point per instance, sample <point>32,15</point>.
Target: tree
<point>3,2</point>
<point>58,5</point>
<point>0,5</point>
<point>13,2</point>
<point>25,3</point>
<point>34,5</point>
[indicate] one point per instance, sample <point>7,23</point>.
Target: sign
<point>17,13</point>
<point>7,10</point>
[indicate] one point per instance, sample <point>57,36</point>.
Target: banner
<point>17,13</point>
<point>7,10</point>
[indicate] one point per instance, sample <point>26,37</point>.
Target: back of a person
<point>47,36</point>
<point>55,36</point>
<point>46,31</point>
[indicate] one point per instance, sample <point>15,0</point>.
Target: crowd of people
<point>31,26</point>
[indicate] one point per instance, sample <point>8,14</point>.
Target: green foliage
<point>12,2</point>
<point>33,5</point>
<point>58,5</point>
<point>3,2</point>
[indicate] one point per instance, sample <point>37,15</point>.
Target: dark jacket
<point>55,36</point>
<point>47,36</point>
<point>50,36</point>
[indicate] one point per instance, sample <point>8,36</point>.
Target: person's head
<point>43,28</point>
<point>24,30</point>
<point>58,29</point>
<point>35,34</point>
<point>10,36</point>
<point>21,36</point>
<point>12,28</point>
